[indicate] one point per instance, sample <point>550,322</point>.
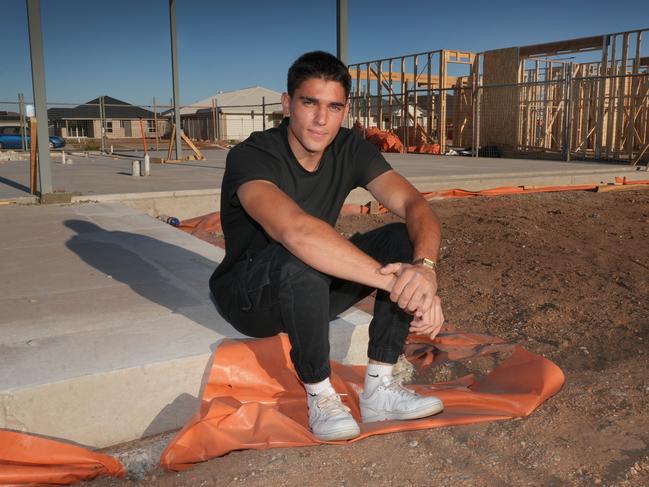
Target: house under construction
<point>579,98</point>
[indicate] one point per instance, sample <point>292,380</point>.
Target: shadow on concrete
<point>179,411</point>
<point>163,273</point>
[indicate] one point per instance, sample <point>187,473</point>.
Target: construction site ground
<point>565,275</point>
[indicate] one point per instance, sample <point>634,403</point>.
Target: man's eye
<point>308,102</point>
<point>335,108</point>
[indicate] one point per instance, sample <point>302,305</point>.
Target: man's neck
<point>310,161</point>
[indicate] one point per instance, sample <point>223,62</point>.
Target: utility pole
<point>40,99</point>
<point>174,71</point>
<point>341,38</point>
<point>341,30</point>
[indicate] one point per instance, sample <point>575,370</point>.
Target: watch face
<point>429,263</point>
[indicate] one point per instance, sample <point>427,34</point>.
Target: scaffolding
<point>539,99</point>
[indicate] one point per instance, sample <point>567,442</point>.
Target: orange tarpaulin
<point>203,226</point>
<point>31,460</point>
<point>384,141</point>
<point>253,398</point>
<point>425,148</point>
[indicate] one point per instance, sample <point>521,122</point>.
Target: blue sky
<point>121,47</point>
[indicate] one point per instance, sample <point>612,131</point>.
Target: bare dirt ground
<point>564,274</point>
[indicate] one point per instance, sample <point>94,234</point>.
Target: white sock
<point>373,376</point>
<point>317,387</point>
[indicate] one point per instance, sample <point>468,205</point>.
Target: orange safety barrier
<point>253,398</point>
<point>32,460</point>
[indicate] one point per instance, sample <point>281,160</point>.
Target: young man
<point>286,269</point>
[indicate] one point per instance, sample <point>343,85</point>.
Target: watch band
<point>431,264</point>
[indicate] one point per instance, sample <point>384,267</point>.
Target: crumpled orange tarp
<point>31,460</point>
<point>253,398</point>
<point>426,148</point>
<point>384,141</point>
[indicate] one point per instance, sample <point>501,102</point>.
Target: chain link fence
<point>566,117</point>
<point>110,125</point>
<point>559,116</point>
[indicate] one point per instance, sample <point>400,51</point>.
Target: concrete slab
<point>193,188</point>
<point>106,325</point>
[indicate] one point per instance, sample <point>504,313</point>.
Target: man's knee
<point>398,247</point>
<point>303,279</point>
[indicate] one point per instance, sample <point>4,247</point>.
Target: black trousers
<point>272,291</point>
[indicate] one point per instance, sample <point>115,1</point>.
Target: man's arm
<point>310,239</point>
<point>416,286</point>
<point>395,193</point>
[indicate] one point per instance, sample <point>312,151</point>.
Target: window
<point>10,130</point>
<point>150,125</point>
<point>109,126</point>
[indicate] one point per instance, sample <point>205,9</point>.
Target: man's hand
<point>431,321</point>
<point>415,288</point>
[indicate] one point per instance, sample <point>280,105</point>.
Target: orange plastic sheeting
<point>384,141</point>
<point>202,226</point>
<point>253,398</point>
<point>426,149</point>
<point>31,460</point>
<point>352,209</point>
<point>623,180</point>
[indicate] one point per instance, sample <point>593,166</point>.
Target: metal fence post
<point>155,124</point>
<point>23,121</point>
<point>263,112</point>
<point>477,120</point>
<point>214,134</point>
<point>567,126</point>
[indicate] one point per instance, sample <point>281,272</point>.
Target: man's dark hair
<point>318,64</point>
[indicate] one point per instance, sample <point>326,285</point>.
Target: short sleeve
<point>245,164</point>
<point>370,163</point>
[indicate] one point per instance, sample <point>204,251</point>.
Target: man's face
<point>317,110</point>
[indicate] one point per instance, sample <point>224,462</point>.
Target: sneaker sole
<point>343,434</point>
<point>431,409</point>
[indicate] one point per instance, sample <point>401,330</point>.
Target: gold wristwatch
<point>431,264</point>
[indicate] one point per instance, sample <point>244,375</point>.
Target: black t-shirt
<point>348,162</point>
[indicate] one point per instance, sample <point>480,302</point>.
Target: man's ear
<point>286,104</point>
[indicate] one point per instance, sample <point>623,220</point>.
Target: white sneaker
<point>390,400</point>
<point>329,418</point>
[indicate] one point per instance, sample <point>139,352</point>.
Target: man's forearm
<point>423,229</point>
<point>318,245</point>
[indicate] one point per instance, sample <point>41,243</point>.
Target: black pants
<point>272,291</point>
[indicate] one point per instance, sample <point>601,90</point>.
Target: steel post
<point>341,30</point>
<point>174,71</point>
<point>23,121</point>
<point>40,99</point>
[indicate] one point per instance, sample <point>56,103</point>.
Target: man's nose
<point>321,115</point>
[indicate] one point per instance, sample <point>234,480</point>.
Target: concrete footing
<point>107,325</point>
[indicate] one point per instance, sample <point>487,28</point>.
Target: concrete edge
<point>20,200</point>
<point>100,198</point>
<point>118,406</point>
